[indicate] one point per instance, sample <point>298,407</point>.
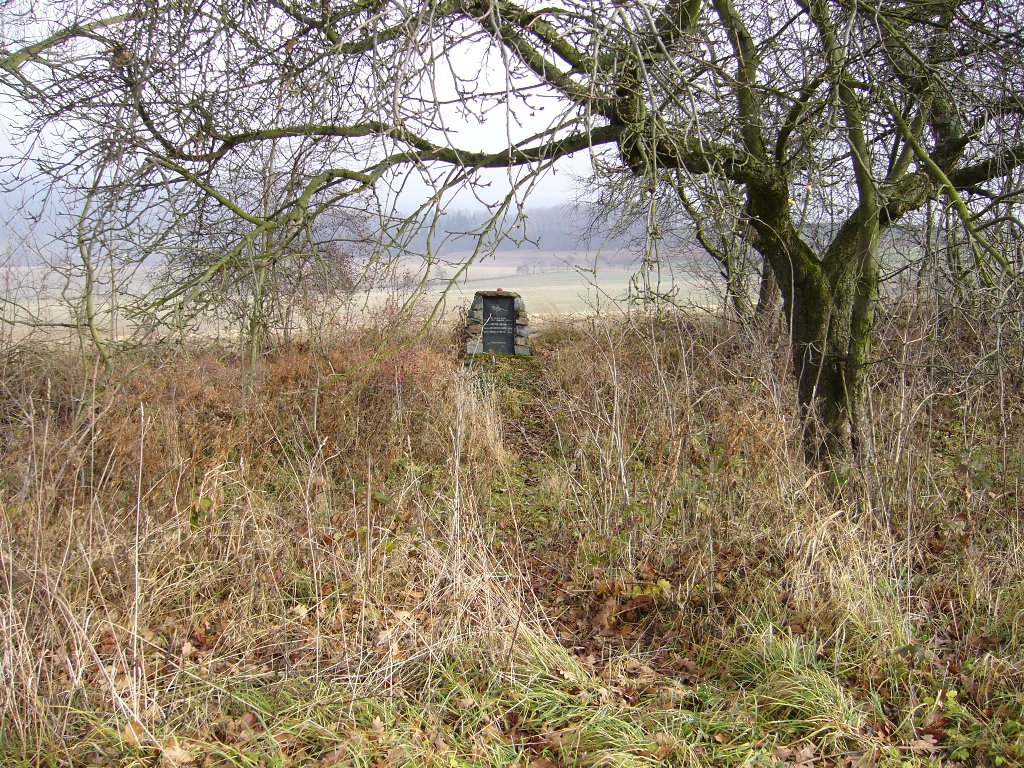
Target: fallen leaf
<point>173,755</point>
<point>491,734</point>
<point>868,758</point>
<point>438,743</point>
<point>805,754</point>
<point>134,733</point>
<point>243,729</point>
<point>781,752</point>
<point>551,740</point>
<point>667,744</point>
<point>982,642</point>
<point>605,617</point>
<point>924,746</point>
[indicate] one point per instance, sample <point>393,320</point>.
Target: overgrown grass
<point>609,555</point>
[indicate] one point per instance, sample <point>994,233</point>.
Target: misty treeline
<point>553,228</point>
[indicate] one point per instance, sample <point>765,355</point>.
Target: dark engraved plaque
<point>500,324</point>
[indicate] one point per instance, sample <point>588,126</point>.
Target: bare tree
<point>849,115</point>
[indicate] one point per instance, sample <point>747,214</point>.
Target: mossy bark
<point>829,302</point>
<point>831,349</point>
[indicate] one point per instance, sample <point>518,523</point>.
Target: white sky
<point>557,186</point>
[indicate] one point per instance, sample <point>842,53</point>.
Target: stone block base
<point>473,329</point>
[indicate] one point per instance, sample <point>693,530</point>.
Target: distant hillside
<point>549,229</point>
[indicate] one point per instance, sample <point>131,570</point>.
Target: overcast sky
<point>558,186</point>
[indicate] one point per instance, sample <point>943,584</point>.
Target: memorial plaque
<point>499,334</point>
<point>497,324</point>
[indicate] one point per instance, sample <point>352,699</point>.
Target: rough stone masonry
<point>497,323</point>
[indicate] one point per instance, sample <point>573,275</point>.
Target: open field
<point>36,302</point>
<point>551,293</point>
<point>568,293</point>
<point>363,553</point>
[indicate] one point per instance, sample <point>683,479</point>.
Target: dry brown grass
<point>609,555</point>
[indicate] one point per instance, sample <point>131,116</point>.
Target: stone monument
<point>496,324</point>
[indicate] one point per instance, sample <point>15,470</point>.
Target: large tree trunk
<point>819,358</point>
<point>829,302</point>
<point>831,314</point>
